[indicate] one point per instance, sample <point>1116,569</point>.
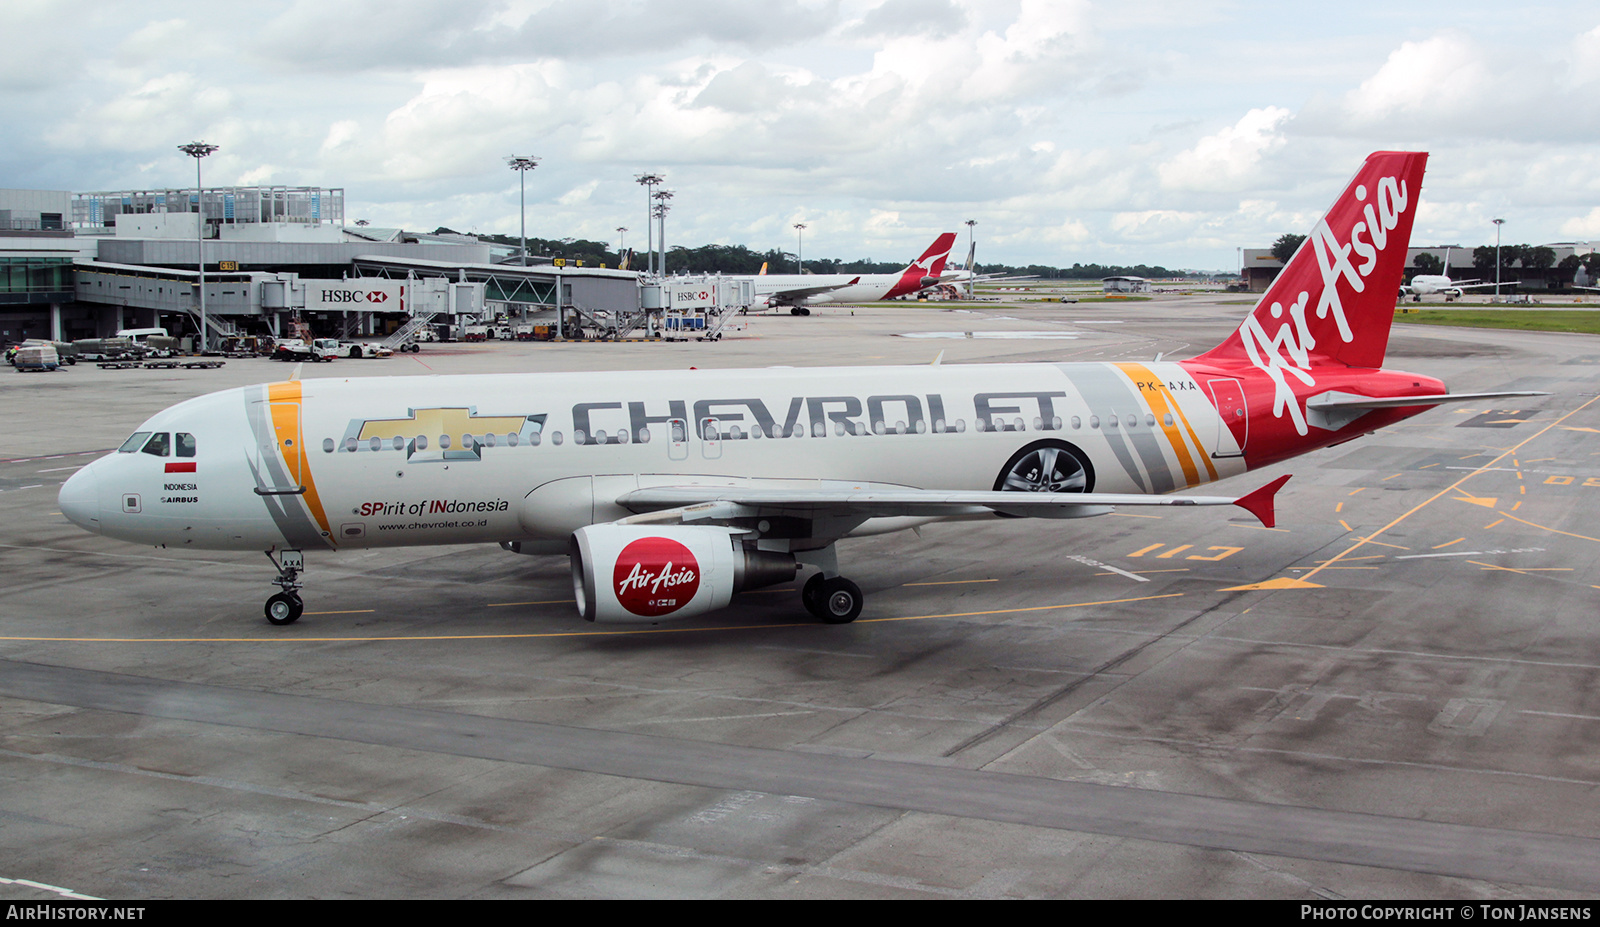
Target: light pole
<point>1497,224</point>
<point>522,164</point>
<point>972,249</point>
<point>799,247</point>
<point>649,181</point>
<point>197,151</point>
<point>622,244</point>
<point>663,206</point>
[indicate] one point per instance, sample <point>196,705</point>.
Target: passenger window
<point>185,444</point>
<point>134,443</point>
<point>159,445</point>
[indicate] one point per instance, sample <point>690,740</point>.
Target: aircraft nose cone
<point>80,500</point>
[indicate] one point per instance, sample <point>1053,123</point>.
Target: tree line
<point>1541,258</point>
<point>739,259</point>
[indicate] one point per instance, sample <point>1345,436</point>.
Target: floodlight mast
<point>1497,224</point>
<point>663,206</point>
<point>799,247</point>
<point>649,181</point>
<point>522,164</point>
<point>197,151</point>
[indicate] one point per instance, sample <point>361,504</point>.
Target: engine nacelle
<point>628,573</point>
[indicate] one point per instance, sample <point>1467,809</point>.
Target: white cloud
<point>1583,227</point>
<point>1155,224</point>
<point>1071,131</point>
<point>1227,159</point>
<point>1441,75</point>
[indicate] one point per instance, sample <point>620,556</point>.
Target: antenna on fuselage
<point>936,360</point>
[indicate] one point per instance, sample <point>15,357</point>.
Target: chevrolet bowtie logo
<point>443,434</point>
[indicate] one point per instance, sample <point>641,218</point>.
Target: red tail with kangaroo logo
<point>925,270</point>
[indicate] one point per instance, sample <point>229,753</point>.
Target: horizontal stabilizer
<point>1260,502</point>
<point>1337,401</point>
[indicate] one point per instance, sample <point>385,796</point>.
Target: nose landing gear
<point>286,607</point>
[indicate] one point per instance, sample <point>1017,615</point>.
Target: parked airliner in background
<point>798,291</point>
<point>671,491</point>
<point>1440,284</point>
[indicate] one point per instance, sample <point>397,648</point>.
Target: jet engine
<point>638,574</point>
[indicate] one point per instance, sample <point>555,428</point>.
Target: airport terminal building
<point>85,265</point>
<point>1260,268</point>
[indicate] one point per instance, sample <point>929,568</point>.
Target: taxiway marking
<point>1105,566</point>
<point>1443,492</point>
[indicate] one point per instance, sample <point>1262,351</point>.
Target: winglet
<point>1259,503</point>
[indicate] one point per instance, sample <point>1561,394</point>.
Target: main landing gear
<point>832,601</point>
<point>799,310</point>
<point>829,597</point>
<point>286,607</point>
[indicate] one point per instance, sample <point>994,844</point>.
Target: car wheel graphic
<point>1047,466</point>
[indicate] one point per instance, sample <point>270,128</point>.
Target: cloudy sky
<point>1126,131</point>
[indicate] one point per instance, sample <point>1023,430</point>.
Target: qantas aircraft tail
<point>924,271</point>
<point>933,260</point>
<point>1334,301</point>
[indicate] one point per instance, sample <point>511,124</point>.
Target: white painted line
<point>63,892</point>
<point>1106,566</point>
<point>59,469</point>
<point>1474,553</point>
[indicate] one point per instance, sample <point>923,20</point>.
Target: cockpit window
<point>159,445</point>
<point>185,444</point>
<point>134,443</point>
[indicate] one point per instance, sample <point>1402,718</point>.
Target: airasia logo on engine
<point>655,576</point>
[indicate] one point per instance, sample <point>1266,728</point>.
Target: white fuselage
<point>395,461</point>
<point>866,288</point>
<point>1430,284</point>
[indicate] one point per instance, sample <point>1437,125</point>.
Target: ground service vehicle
<point>317,349</point>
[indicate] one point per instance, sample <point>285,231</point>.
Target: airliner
<point>1440,284</point>
<point>668,492</point>
<point>800,291</point>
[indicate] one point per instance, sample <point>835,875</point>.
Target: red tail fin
<point>940,252</point>
<point>1339,289</point>
<point>925,270</point>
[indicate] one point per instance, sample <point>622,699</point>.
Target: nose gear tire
<point>284,608</point>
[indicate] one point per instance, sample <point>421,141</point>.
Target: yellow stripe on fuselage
<point>285,402</point>
<point>1161,402</point>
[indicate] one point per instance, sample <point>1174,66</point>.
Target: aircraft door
<point>710,438</point>
<point>278,457</point>
<point>1227,395</point>
<point>678,439</point>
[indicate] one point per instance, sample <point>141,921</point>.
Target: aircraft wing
<point>806,292</point>
<point>723,503</point>
<point>1471,285</point>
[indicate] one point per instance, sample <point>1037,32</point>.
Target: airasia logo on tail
<point>1333,304</point>
<point>655,576</point>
